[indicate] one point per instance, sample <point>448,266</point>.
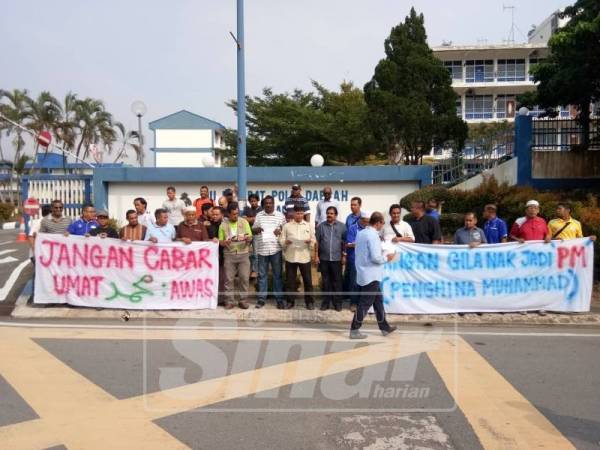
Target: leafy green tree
<point>127,139</point>
<point>410,96</point>
<point>287,129</point>
<point>43,114</point>
<point>571,73</point>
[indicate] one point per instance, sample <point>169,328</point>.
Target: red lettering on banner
<point>192,289</point>
<point>147,261</point>
<point>82,285</point>
<point>63,255</point>
<point>96,256</point>
<point>81,257</point>
<point>46,262</point>
<point>572,256</point>
<point>177,259</point>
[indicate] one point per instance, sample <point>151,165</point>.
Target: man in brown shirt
<point>191,229</point>
<point>133,231</point>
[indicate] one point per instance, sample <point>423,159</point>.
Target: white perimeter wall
<point>375,196</point>
<point>183,139</point>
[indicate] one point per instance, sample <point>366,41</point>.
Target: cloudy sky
<point>178,54</point>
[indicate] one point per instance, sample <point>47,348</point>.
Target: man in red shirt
<point>531,227</point>
<point>203,199</point>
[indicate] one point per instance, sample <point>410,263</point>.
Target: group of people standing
<point>259,242</point>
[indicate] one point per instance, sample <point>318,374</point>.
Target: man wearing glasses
<point>55,223</point>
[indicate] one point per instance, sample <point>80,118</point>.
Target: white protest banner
<point>110,273</point>
<point>437,279</point>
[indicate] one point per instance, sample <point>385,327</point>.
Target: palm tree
<point>95,125</point>
<point>43,114</point>
<point>15,108</point>
<point>66,129</point>
<point>127,139</point>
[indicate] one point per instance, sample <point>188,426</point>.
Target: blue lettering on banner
<point>415,261</point>
<point>525,285</point>
<point>537,259</point>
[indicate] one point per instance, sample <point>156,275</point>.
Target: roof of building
<point>185,120</point>
<point>478,47</point>
<point>52,160</point>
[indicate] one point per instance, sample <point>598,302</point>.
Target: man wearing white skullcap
<point>191,229</point>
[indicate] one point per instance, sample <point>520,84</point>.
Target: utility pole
<point>241,106</point>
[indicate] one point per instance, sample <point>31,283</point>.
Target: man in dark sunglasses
<point>55,223</point>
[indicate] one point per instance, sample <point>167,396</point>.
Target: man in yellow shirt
<point>564,227</point>
<point>296,239</point>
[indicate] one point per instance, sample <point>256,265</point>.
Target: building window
<point>479,107</point>
<point>455,69</point>
<point>458,107</point>
<point>511,70</point>
<point>505,106</point>
<point>479,71</point>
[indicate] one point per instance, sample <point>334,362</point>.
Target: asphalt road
<point>15,269</point>
<point>201,385</point>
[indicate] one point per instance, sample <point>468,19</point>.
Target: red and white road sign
<point>31,206</point>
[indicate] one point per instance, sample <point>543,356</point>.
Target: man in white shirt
<point>145,217</point>
<point>174,207</point>
<point>326,202</point>
<point>397,230</point>
<point>34,229</point>
<point>162,231</point>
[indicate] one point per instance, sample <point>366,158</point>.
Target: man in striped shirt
<point>267,228</point>
<point>55,223</point>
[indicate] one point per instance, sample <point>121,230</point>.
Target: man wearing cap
<point>324,204</point>
<point>191,229</point>
<point>531,227</point>
<point>103,229</point>
<point>296,198</point>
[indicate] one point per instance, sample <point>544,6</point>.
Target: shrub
<point>6,211</point>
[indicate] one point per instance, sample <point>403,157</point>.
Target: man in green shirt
<point>235,236</point>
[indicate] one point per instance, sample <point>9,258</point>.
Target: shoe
<point>259,304</point>
<point>353,307</point>
<point>389,330</point>
<point>310,306</point>
<point>355,334</point>
<point>289,305</point>
<point>243,304</point>
<point>523,313</point>
<point>253,275</point>
<point>542,312</point>
<point>461,314</point>
<point>228,305</point>
<point>338,308</point>
<point>324,307</point>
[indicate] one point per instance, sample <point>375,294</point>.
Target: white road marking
<point>12,279</point>
<point>10,250</point>
<point>8,260</point>
<point>306,330</point>
<point>7,242</point>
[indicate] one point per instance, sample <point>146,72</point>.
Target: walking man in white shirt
<point>369,273</point>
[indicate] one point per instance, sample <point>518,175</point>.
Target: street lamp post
<point>139,109</point>
<point>241,105</point>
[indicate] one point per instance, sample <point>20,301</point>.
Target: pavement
<point>15,269</point>
<point>224,385</point>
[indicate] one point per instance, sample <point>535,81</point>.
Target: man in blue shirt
<point>86,223</point>
<point>352,227</point>
<point>433,209</point>
<point>161,231</point>
<point>369,272</point>
<point>495,229</point>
